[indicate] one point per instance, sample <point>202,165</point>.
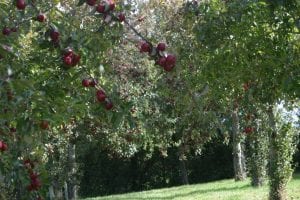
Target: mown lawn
<point>224,190</point>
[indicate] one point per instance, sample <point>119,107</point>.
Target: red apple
<point>93,83</point>
<point>111,4</point>
<point>162,61</point>
<point>76,59</point>
<point>109,105</point>
<point>161,46</point>
<point>6,31</point>
<point>85,82</point>
<point>3,146</point>
<point>100,8</point>
<point>145,47</point>
<point>21,4</point>
<point>121,17</point>
<point>28,164</point>
<point>171,60</point>
<point>68,60</point>
<point>68,52</point>
<point>44,124</point>
<point>101,96</point>
<point>168,68</point>
<point>91,2</point>
<point>170,63</point>
<point>33,176</point>
<point>36,184</point>
<point>248,130</point>
<point>54,35</point>
<point>41,17</point>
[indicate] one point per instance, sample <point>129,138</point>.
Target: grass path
<point>219,190</point>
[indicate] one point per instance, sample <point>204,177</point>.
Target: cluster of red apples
<point>167,61</point>
<point>35,183</point>
<point>21,5</point>
<point>106,7</point>
<point>248,129</point>
<point>100,93</point>
<point>70,58</point>
<point>7,31</point>
<point>3,146</point>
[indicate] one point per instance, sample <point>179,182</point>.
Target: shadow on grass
<point>178,192</point>
<point>192,193</point>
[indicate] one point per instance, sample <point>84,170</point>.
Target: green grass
<point>223,190</point>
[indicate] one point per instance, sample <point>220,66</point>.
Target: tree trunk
<point>182,166</point>
<point>238,154</point>
<point>66,191</point>
<point>257,166</point>
<point>257,170</point>
<point>258,147</point>
<point>183,171</point>
<point>135,180</point>
<point>51,192</point>
<point>55,191</point>
<point>277,182</point>
<point>243,147</point>
<point>72,181</point>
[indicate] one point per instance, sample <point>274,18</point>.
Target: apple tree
<point>255,44</point>
<point>55,70</point>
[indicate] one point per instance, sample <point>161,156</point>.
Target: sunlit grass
<point>224,190</point>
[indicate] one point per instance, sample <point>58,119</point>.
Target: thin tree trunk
<point>135,180</point>
<point>243,158</point>
<point>71,183</point>
<point>57,191</point>
<point>66,192</point>
<point>238,154</point>
<point>182,166</point>
<point>51,192</point>
<point>277,183</point>
<point>183,171</point>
